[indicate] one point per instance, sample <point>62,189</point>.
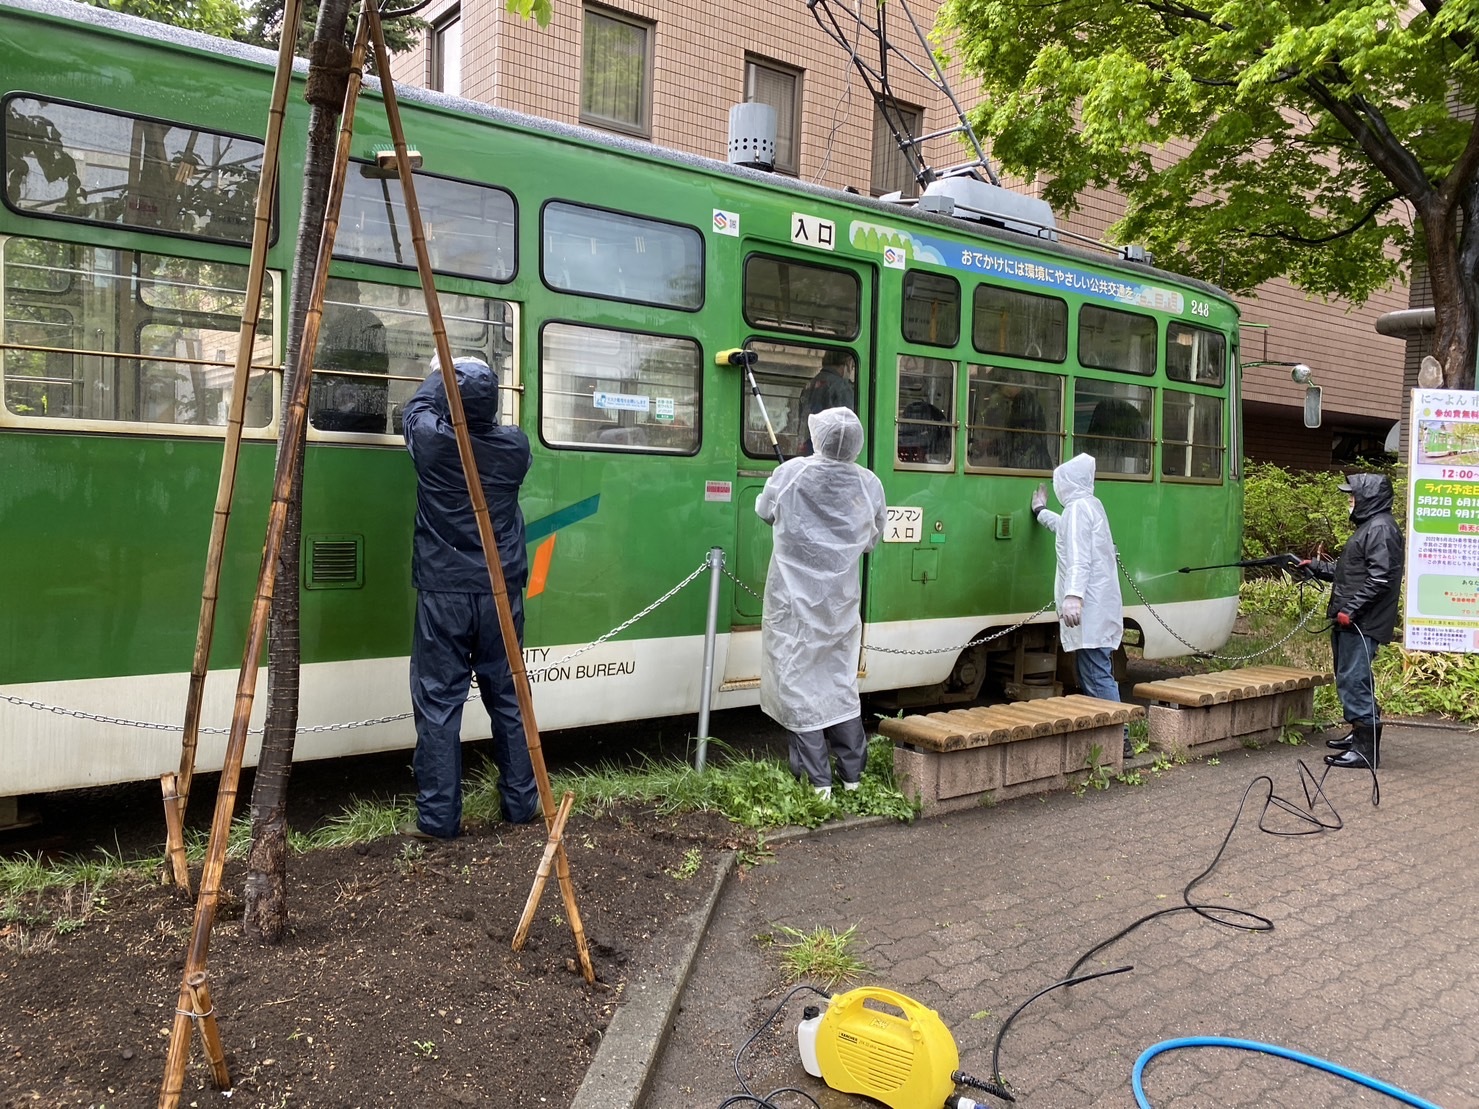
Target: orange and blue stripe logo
<point>544,531</point>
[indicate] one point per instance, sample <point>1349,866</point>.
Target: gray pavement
<point>1371,965</point>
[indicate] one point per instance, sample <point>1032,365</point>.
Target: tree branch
<point>1294,237</point>
<point>1368,128</point>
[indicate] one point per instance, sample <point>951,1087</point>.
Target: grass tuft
<point>820,955</point>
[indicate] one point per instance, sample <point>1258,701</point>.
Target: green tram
<point>604,279</point>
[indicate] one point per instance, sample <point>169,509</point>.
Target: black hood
<point>1373,493</point>
<point>478,385</point>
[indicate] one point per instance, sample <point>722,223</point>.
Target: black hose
<point>1226,915</point>
<point>749,1097</point>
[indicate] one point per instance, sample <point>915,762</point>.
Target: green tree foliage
<point>222,18</point>
<point>265,28</point>
<point>1292,510</point>
<point>1306,135</point>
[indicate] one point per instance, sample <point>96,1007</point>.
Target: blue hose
<point>1268,1049</point>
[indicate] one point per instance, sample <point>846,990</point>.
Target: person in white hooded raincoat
<point>827,512</point>
<point>1086,586</point>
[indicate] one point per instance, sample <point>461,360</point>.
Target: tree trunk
<point>1451,268</point>
<point>265,892</point>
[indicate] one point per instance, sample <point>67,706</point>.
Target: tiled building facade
<point>668,71</point>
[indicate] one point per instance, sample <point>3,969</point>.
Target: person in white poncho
<point>1086,586</point>
<point>827,512</point>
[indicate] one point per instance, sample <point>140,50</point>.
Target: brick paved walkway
<point>1373,962</point>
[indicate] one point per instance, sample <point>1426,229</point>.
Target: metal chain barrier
<point>150,725</point>
<point>730,575</point>
<point>973,643</point>
<point>1308,616</point>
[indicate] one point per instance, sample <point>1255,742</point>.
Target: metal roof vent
<point>752,135</point>
<point>973,199</point>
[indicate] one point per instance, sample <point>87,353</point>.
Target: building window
<point>892,171</point>
<point>615,80</point>
<point>768,83</point>
<point>445,54</point>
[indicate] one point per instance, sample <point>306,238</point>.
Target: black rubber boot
<point>1340,743</point>
<point>1362,752</point>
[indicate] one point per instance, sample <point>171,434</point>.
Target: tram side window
<point>1191,435</point>
<point>97,166</point>
<point>375,347</point>
<point>931,309</point>
<point>131,337</point>
<point>611,254</point>
<point>1109,339</point>
<point>926,422</point>
<point>795,381</point>
<point>802,298</point>
<point>1195,354</point>
<point>1019,324</point>
<point>619,390</point>
<point>1112,421</point>
<point>1016,420</point>
<point>469,228</point>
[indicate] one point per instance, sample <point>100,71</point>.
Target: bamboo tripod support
<point>176,787</point>
<point>194,1004</point>
<point>293,435</point>
<point>511,645</point>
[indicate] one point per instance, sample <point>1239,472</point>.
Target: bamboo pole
<point>541,876</point>
<point>174,832</point>
<point>511,644</point>
<point>293,434</point>
<point>236,417</point>
<point>204,1016</point>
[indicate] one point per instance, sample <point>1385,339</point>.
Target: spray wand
<point>1291,562</point>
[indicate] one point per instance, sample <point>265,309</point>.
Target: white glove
<point>1039,498</point>
<point>1072,611</point>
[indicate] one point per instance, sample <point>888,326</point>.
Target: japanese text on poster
<point>1442,589</point>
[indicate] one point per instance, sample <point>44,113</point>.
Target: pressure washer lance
<point>1289,561</point>
<point>738,356</point>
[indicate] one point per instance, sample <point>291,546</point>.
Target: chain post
<point>711,625</point>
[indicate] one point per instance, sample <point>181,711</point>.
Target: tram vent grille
<point>335,562</point>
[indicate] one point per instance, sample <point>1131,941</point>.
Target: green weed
<point>692,859</point>
<point>820,955</point>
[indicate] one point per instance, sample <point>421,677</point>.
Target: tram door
<point>809,319</point>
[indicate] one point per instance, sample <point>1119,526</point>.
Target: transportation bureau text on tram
<point>536,665</point>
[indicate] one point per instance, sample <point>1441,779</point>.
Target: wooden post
<point>511,645</point>
<point>541,876</point>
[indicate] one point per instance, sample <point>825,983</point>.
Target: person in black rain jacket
<point>457,632</point>
<point>1366,584</point>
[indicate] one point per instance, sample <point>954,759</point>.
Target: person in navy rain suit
<point>457,632</point>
